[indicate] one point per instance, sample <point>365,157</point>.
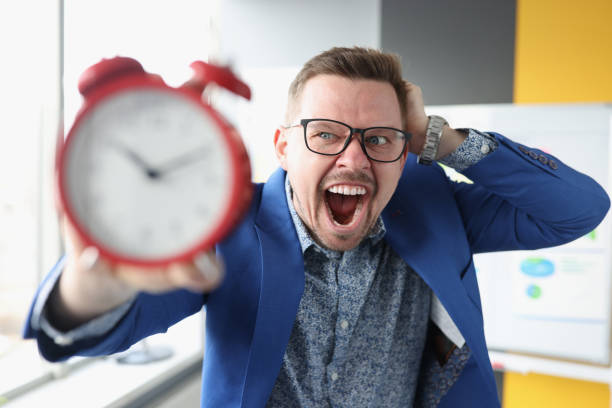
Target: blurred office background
<point>500,52</point>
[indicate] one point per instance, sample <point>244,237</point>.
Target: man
<point>354,284</point>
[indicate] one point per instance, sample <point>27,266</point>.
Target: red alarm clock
<point>151,174</point>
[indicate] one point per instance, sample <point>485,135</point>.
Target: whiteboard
<point>553,302</point>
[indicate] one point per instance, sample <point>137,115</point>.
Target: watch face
<point>147,174</point>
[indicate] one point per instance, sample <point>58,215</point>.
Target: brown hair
<point>352,63</point>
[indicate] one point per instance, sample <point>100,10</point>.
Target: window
<point>164,36</point>
<point>30,103</point>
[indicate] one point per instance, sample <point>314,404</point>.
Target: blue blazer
<point>521,198</point>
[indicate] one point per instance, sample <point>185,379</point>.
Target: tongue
<point>342,206</point>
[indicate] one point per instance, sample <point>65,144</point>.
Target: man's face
<point>340,219</point>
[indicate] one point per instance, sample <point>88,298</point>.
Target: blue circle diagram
<point>537,267</point>
<point>534,291</point>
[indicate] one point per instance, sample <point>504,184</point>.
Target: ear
<point>280,147</point>
<point>405,154</point>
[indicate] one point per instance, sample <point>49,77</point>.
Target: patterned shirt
<point>360,329</point>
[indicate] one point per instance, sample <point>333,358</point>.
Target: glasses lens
<point>384,144</point>
<point>323,136</point>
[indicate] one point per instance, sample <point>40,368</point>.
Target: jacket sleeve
<point>523,198</point>
<point>147,315</point>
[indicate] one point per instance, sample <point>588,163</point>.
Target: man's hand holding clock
<point>149,179</point>
<point>91,286</point>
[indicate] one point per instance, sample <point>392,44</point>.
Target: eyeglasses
<point>330,138</point>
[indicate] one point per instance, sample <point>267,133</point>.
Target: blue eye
<point>327,136</point>
<point>376,140</point>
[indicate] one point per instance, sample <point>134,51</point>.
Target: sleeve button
<point>62,340</point>
<point>543,159</point>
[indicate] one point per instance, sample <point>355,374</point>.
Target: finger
<point>72,239</point>
<point>411,87</point>
<point>209,266</point>
<point>90,260</point>
<point>153,280</point>
<point>203,275</point>
<point>190,277</point>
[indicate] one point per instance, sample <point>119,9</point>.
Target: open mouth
<point>344,203</point>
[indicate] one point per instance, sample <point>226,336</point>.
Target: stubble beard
<point>297,204</point>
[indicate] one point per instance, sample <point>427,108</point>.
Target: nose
<point>354,157</point>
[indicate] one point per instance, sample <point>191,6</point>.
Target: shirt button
<point>334,376</point>
<point>344,324</point>
<point>484,149</point>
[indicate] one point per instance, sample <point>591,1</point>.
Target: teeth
<point>347,190</point>
<point>355,218</point>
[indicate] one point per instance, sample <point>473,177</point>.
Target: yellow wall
<point>563,54</point>
<point>542,391</point>
<point>563,51</point>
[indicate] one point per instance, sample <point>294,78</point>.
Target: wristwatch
<point>432,140</point>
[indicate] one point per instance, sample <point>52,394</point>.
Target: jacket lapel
<point>421,233</point>
<point>282,285</point>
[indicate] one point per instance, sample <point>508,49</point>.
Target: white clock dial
<point>148,173</point>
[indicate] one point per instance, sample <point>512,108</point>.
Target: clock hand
<point>183,160</point>
<point>150,171</point>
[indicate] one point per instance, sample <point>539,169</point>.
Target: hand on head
<point>416,119</point>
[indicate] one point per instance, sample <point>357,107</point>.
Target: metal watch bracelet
<point>432,140</point>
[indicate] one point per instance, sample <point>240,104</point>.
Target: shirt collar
<point>376,233</point>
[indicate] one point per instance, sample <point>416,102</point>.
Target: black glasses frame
<point>304,123</point>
